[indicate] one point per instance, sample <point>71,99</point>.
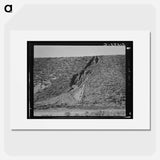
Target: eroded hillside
<point>87,82</point>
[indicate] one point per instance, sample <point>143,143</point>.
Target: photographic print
<point>79,79</point>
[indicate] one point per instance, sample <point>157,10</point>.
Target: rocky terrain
<point>80,86</point>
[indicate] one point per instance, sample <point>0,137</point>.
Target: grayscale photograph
<point>80,80</point>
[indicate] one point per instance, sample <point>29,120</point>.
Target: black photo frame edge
<point>129,76</point>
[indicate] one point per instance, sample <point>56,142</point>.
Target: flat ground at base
<point>79,112</point>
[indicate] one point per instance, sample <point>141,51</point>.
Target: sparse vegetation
<point>99,113</point>
<point>104,92</point>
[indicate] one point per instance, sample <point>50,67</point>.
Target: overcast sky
<point>74,51</point>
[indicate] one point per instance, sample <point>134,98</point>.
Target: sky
<point>41,51</point>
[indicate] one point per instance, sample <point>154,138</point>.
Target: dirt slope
<point>86,81</point>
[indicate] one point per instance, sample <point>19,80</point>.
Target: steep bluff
<point>97,80</point>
